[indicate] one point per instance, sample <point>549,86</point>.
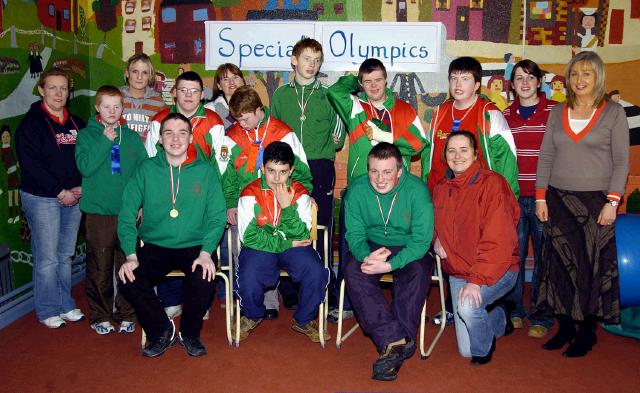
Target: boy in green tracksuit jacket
<point>183,217</point>
<point>376,116</point>
<point>389,217</point>
<point>274,218</point>
<point>107,154</point>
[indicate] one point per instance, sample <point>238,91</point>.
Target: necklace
<point>302,104</point>
<point>456,123</point>
<point>173,213</point>
<point>386,221</point>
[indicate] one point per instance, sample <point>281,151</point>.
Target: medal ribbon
<point>256,150</point>
<point>385,222</point>
<point>275,218</point>
<point>174,195</point>
<point>115,159</point>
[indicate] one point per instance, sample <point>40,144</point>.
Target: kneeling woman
<point>476,215</point>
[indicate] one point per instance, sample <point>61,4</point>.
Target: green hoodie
<point>410,223</point>
<point>200,203</point>
<point>102,190</point>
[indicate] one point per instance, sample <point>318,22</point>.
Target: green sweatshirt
<point>200,204</point>
<point>321,132</point>
<point>406,132</point>
<point>101,189</point>
<point>410,223</point>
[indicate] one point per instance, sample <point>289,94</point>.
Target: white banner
<point>267,45</point>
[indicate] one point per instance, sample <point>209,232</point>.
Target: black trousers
<point>155,263</point>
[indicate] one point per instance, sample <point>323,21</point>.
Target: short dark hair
<point>370,65</point>
<point>191,76</point>
<point>467,134</point>
<point>175,116</point>
<point>529,67</point>
<point>385,150</point>
<point>280,153</point>
<point>467,64</point>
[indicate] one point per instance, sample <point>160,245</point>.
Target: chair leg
<point>340,338</point>
<point>227,314</point>
<point>237,338</point>
<point>143,341</point>
<point>443,309</point>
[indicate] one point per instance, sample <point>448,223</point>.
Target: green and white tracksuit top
<point>207,130</point>
<point>406,131</point>
<point>241,155</point>
<point>497,149</point>
<point>263,225</point>
<point>320,130</point>
<point>198,200</point>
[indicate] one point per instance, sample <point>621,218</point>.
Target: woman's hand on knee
<point>470,292</point>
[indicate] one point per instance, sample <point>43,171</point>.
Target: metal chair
<point>437,277</point>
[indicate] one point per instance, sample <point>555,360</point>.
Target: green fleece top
<point>200,204</point>
<point>101,189</point>
<point>321,132</point>
<point>410,223</point>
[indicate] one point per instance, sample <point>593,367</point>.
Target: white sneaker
<point>103,327</point>
<point>173,311</point>
<point>74,315</point>
<point>127,327</point>
<point>54,322</point>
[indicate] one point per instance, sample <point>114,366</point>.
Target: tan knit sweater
<point>595,159</point>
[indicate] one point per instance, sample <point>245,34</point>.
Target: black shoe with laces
<point>193,346</point>
<point>159,345</point>
<point>386,367</point>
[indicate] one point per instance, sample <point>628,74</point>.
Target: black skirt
<point>578,267</point>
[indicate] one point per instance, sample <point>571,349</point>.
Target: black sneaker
<point>193,346</point>
<point>386,367</point>
<point>162,343</point>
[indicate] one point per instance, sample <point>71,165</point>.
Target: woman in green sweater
<point>107,153</point>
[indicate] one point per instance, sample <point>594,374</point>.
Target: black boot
<point>585,339</point>
<point>566,333</point>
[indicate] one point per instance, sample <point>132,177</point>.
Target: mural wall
<point>92,38</point>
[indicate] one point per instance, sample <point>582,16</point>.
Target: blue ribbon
<point>456,126</point>
<point>260,155</point>
<point>115,160</point>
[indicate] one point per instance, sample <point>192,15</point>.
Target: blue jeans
<point>54,231</point>
<point>475,327</point>
<point>529,225</point>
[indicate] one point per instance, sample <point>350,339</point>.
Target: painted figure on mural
<point>557,89</point>
<point>510,61</point>
<point>496,85</point>
<point>13,180</point>
<point>407,90</point>
<point>35,60</point>
<point>588,20</point>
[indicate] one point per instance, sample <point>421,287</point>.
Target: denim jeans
<point>54,231</point>
<point>529,225</point>
<point>475,327</point>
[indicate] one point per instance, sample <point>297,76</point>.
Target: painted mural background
<point>92,38</point>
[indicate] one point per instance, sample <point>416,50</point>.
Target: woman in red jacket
<point>476,215</point>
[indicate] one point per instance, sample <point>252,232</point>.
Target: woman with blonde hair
<point>581,176</point>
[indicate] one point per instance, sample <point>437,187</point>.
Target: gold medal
<point>173,213</point>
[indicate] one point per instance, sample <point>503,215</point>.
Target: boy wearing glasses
<point>389,218</point>
<point>208,128</point>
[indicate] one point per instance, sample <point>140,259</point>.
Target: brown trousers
<point>104,255</point>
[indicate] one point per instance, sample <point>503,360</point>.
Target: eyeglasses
<point>191,91</point>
